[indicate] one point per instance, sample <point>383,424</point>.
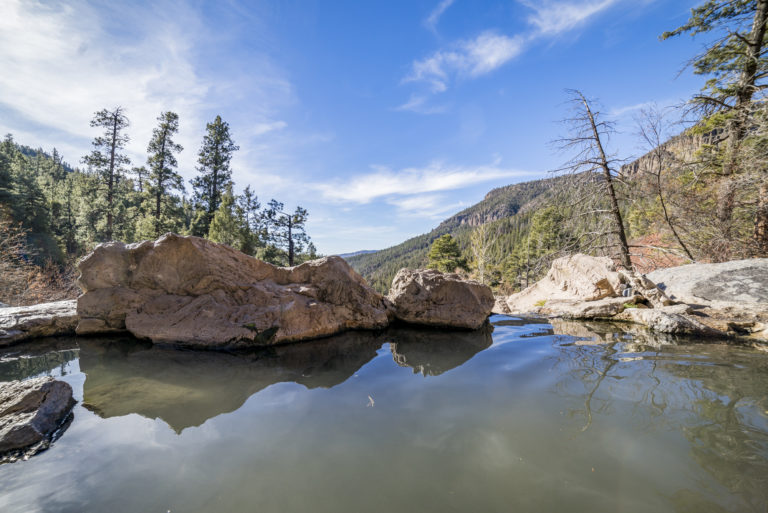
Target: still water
<point>523,416</point>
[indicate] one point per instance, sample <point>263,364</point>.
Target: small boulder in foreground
<point>31,411</point>
<point>429,297</point>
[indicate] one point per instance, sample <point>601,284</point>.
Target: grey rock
<point>668,322</point>
<point>743,281</point>
<point>43,320</point>
<point>429,297</point>
<point>31,411</point>
<point>598,309</point>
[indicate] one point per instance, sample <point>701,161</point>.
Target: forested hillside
<point>507,211</point>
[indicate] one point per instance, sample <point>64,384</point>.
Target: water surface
<point>525,416</point>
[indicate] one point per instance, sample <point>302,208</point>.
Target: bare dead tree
<point>593,172</point>
<point>652,127</point>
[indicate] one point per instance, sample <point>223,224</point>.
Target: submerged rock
<point>32,411</point>
<point>429,297</point>
<point>43,320</point>
<point>190,291</point>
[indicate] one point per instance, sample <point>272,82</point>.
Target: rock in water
<point>193,292</point>
<point>31,411</point>
<point>429,297</point>
<point>43,320</point>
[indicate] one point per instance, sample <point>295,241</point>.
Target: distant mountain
<point>508,208</point>
<point>356,253</point>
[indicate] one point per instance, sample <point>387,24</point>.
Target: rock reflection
<point>432,352</point>
<point>186,388</point>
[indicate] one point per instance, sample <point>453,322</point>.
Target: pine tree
<point>737,62</point>
<point>227,224</point>
<point>107,158</point>
<point>215,173</point>
<point>163,179</point>
<point>286,231</point>
<point>445,255</point>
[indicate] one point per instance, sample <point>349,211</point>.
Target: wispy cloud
<point>384,182</point>
<point>434,16</point>
<point>470,58</point>
<point>430,206</point>
<point>490,50</point>
<point>551,18</point>
<point>62,62</point>
<point>419,103</point>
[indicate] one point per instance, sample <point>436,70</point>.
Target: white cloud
<point>418,103</point>
<point>434,16</point>
<point>552,18</point>
<point>384,182</point>
<point>470,58</point>
<point>432,206</point>
<point>62,62</point>
<point>490,50</point>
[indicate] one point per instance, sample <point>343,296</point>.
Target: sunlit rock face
<point>429,297</point>
<point>193,292</point>
<point>31,411</point>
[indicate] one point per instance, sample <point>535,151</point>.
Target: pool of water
<point>522,416</point>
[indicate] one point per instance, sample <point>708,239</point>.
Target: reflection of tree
<point>716,395</point>
<point>40,357</point>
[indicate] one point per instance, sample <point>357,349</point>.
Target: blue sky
<point>380,117</point>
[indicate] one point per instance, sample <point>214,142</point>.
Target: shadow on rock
<point>431,352</point>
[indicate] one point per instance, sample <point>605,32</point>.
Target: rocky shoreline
<point>725,300</point>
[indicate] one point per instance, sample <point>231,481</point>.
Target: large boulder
<point>743,281</point>
<point>43,320</point>
<point>429,297</point>
<point>580,278</point>
<point>31,411</point>
<point>193,292</point>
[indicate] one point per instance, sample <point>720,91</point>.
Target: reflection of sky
<point>505,430</point>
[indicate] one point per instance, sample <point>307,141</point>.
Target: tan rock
<point>429,297</point>
<point>599,309</point>
<point>572,278</point>
<point>43,320</point>
<point>31,411</point>
<point>193,292</point>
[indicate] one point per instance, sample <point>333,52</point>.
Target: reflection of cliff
<point>39,357</point>
<point>186,388</point>
<point>432,352</point>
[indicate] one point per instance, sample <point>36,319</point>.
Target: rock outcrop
<point>43,320</point>
<point>31,411</point>
<point>429,297</point>
<point>724,298</point>
<point>193,292</point>
<point>742,281</point>
<point>574,281</point>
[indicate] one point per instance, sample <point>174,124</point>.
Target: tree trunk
<point>737,127</point>
<point>111,180</point>
<point>290,242</point>
<point>615,211</point>
<point>761,220</point>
